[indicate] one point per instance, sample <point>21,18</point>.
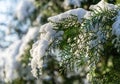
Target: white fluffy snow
<point>103,5</point>
<point>47,36</point>
<point>39,48</point>
<point>79,12</point>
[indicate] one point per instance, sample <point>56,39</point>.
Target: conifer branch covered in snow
<point>85,36</point>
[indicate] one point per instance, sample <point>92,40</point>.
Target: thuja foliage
<point>70,44</point>
<point>104,49</point>
<point>90,46</point>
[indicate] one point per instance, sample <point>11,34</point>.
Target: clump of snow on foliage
<point>103,5</point>
<point>24,9</point>
<point>39,48</point>
<point>47,36</point>
<point>79,12</point>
